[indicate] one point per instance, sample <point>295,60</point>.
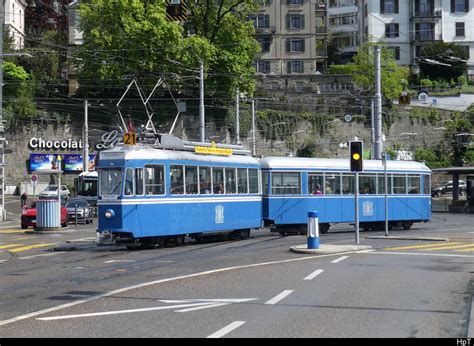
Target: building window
<point>395,52</point>
<point>261,20</point>
<point>388,6</point>
<point>459,6</point>
<point>295,45</point>
<point>391,30</point>
<point>423,7</point>
<point>265,43</point>
<point>294,21</point>
<point>295,66</point>
<point>459,28</point>
<point>263,66</point>
<point>294,2</point>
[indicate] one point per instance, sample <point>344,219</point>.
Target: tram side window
<point>110,181</point>
<point>230,181</point>
<point>426,184</point>
<point>139,181</point>
<point>414,184</point>
<point>381,183</point>
<point>154,180</point>
<point>332,183</point>
<point>176,180</point>
<point>286,183</point>
<point>129,182</point>
<point>218,180</point>
<point>315,184</point>
<point>191,180</point>
<point>399,184</point>
<point>265,182</point>
<point>253,180</point>
<point>204,180</point>
<point>242,186</point>
<point>347,184</point>
<point>367,184</point>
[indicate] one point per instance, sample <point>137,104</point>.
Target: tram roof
<point>339,164</point>
<point>150,153</point>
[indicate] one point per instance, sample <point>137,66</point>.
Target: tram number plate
<point>130,138</point>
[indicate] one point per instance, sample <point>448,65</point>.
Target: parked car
<point>448,188</point>
<point>52,192</point>
<point>28,216</point>
<point>78,207</point>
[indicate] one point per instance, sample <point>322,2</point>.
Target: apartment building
<point>406,26</point>
<point>293,37</point>
<point>14,20</point>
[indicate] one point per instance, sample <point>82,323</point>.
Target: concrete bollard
<point>313,230</point>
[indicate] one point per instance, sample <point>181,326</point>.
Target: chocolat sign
<point>40,143</point>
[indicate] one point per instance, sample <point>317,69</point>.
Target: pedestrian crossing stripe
<point>30,247</point>
<point>424,246</point>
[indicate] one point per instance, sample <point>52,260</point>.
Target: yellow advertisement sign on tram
<point>213,150</point>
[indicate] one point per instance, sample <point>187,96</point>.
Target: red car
<point>28,216</point>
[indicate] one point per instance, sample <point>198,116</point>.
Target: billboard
<point>71,162</point>
<point>43,161</point>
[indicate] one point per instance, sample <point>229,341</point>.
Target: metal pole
<point>85,142</point>
<point>372,117</point>
<point>386,191</point>
<point>237,116</point>
<point>254,144</point>
<point>2,20</point>
<point>356,204</point>
<point>202,133</point>
<point>378,106</point>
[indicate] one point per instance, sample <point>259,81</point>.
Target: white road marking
<point>314,274</point>
<point>156,282</point>
<point>1,261</point>
<point>420,254</point>
<point>340,259</point>
<point>115,261</point>
<point>208,306</point>
<point>40,255</point>
<point>226,330</point>
<point>279,297</point>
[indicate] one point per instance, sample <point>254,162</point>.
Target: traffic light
<point>356,156</point>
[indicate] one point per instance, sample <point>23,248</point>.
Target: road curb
<point>328,249</point>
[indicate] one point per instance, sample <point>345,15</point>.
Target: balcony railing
<point>427,13</point>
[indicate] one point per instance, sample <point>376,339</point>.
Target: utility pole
<point>202,125</point>
<point>378,106</point>
<point>85,141</point>
<point>237,116</point>
<point>254,144</point>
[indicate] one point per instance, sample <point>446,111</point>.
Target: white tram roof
<point>308,163</point>
<point>122,152</point>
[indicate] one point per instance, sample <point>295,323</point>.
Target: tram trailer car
<point>148,196</point>
<point>292,186</point>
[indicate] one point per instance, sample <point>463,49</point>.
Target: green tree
<point>135,38</point>
<point>391,74</point>
<point>451,57</point>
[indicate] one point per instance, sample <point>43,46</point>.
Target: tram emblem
<point>219,214</point>
<point>368,208</point>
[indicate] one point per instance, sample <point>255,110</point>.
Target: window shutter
<point>397,30</point>
<point>288,21</point>
<point>387,31</point>
<point>302,45</point>
<point>288,67</point>
<point>453,9</point>
<point>396,6</point>
<point>288,45</point>
<point>466,6</point>
<point>302,21</point>
<point>302,67</point>
<point>382,6</point>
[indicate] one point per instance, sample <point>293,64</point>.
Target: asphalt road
<point>247,288</point>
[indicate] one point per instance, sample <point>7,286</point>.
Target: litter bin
<point>47,215</point>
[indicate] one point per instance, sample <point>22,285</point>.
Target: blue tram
<point>149,195</point>
<point>292,186</point>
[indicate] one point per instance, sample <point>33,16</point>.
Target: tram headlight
<point>109,213</point>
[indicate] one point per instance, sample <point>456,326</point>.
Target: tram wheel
<point>179,240</point>
<point>244,233</point>
<point>324,227</point>
<point>407,225</point>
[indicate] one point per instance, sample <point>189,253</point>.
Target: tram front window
<point>110,181</point>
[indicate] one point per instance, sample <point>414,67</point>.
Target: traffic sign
<point>34,177</point>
